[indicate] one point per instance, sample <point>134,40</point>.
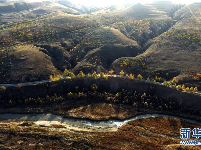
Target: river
<point>80,124</point>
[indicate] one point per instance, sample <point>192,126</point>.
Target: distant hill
<point>178,49</point>
<point>141,11</point>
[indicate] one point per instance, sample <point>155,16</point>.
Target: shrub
<point>148,79</point>
<point>191,89</point>
<point>139,77</point>
<point>187,89</point>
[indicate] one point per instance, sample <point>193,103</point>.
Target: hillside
<point>19,11</point>
<point>142,11</point>
<point>104,56</point>
<point>176,50</point>
<point>162,39</point>
<point>89,77</point>
<point>26,64</point>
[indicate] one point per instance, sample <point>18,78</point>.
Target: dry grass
<point>148,133</point>
<point>27,60</point>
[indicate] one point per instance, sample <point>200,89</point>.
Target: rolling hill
<point>177,49</point>
<point>143,38</point>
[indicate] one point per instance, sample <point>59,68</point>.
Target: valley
<point>65,61</point>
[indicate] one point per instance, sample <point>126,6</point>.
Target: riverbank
<point>142,133</point>
<point>94,111</point>
<point>52,122</point>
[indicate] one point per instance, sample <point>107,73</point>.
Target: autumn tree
<point>81,75</point>
<point>72,75</point>
<point>66,73</point>
<point>111,71</point>
<point>131,76</point>
<point>122,74</point>
<point>139,77</point>
<point>94,75</point>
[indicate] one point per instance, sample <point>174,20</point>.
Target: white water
<point>81,124</point>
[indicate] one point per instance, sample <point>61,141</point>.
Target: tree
<point>106,76</point>
<point>71,74</point>
<point>175,80</point>
<point>121,74</point>
<point>111,71</point>
<point>66,73</point>
<point>139,77</point>
<point>131,76</point>
<point>183,87</point>
<point>179,87</point>
<point>195,89</point>
<point>51,78</point>
<point>102,75</point>
<point>81,75</point>
<point>94,75</point>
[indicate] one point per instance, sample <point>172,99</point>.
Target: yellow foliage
<point>139,77</point>
<point>195,89</point>
<point>179,87</point>
<point>51,77</point>
<point>94,75</point>
<point>81,75</point>
<point>122,73</point>
<point>111,71</point>
<point>191,89</point>
<point>106,76</point>
<point>131,77</point>
<point>183,87</point>
<point>102,75</point>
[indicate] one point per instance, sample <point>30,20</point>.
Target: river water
<point>81,124</point>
